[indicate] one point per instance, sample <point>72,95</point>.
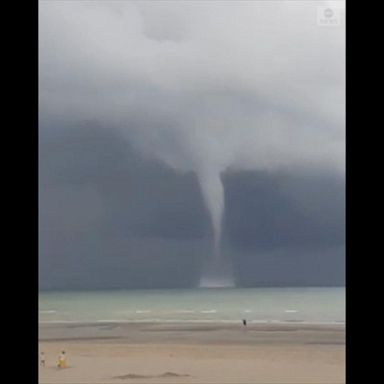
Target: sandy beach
<point>201,353</point>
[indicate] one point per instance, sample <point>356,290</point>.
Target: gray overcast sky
<point>161,120</point>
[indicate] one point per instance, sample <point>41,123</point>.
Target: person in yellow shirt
<point>62,361</point>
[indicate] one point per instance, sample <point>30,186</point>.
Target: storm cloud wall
<point>109,218</point>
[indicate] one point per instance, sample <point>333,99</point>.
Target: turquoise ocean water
<point>257,305</point>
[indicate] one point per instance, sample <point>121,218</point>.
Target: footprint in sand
<point>173,374</point>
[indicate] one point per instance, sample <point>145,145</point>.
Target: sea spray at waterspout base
<point>217,273</point>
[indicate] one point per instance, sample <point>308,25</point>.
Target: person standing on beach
<point>42,359</point>
<point>62,362</point>
<point>244,322</point>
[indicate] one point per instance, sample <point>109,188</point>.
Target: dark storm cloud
<point>287,210</point>
<point>92,170</point>
<point>152,113</point>
<point>110,218</point>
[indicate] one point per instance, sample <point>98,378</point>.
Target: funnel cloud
<point>213,193</point>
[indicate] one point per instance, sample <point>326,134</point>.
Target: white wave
<point>209,311</point>
<point>63,322</point>
<point>184,311</point>
<point>291,311</point>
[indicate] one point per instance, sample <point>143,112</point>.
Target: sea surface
<point>256,305</point>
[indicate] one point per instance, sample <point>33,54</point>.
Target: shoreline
<point>202,321</point>
<point>207,333</point>
<point>196,324</point>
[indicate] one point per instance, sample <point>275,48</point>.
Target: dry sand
<point>149,353</point>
